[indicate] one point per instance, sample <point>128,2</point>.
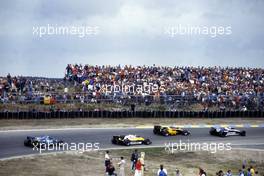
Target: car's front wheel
<point>113,141</point>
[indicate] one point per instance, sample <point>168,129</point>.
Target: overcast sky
<point>130,32</point>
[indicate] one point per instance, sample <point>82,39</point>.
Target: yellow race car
<point>170,131</point>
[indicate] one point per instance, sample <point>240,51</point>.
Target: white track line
<point>109,128</point>
<point>64,129</point>
<point>122,148</point>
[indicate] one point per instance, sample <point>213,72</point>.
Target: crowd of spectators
<point>250,171</point>
<point>233,88</point>
<point>138,167</point>
<point>225,87</point>
<point>28,89</point>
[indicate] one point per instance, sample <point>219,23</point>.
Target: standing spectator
<point>134,158</point>
<point>178,173</point>
<point>202,172</point>
<point>220,173</point>
<point>121,165</point>
<point>110,170</point>
<point>162,171</point>
<point>142,160</point>
<point>229,173</point>
<point>240,173</point>
<point>252,171</point>
<point>107,158</point>
<point>248,172</point>
<point>244,170</point>
<point>138,168</point>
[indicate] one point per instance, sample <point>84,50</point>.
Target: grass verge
<point>92,163</point>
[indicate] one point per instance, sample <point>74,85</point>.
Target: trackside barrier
<point>129,114</point>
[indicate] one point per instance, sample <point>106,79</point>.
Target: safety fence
<point>130,114</point>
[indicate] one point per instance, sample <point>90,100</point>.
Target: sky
<point>130,32</point>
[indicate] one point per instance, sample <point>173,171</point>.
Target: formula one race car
<point>170,131</point>
<point>130,140</point>
<point>41,141</point>
<point>228,131</point>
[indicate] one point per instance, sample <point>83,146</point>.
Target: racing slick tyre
<point>114,141</point>
<point>186,133</point>
<point>243,133</point>
<point>147,142</point>
<point>26,143</point>
<point>222,134</point>
<point>165,133</point>
<point>127,142</point>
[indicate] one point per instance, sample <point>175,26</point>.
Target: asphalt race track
<point>11,142</point>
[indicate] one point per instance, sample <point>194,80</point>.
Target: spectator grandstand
<point>177,87</point>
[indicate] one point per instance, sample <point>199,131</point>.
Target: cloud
<point>131,32</point>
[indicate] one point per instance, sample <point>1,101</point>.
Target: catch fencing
<point>130,114</point>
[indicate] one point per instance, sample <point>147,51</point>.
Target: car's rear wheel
<point>127,142</point>
<point>165,133</point>
<point>223,134</point>
<point>147,142</point>
<point>186,133</point>
<point>243,133</point>
<point>26,142</point>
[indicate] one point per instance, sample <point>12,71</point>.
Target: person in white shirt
<point>107,158</point>
<point>121,165</point>
<point>178,173</point>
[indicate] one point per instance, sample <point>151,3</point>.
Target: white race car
<point>226,131</point>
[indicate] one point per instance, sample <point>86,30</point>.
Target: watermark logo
<point>72,30</point>
<point>145,88</point>
<point>189,30</point>
<point>79,147</point>
<point>181,146</point>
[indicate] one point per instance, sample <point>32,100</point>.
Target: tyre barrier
<point>130,114</point>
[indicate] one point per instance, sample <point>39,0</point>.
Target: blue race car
<point>41,141</point>
<point>226,131</point>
